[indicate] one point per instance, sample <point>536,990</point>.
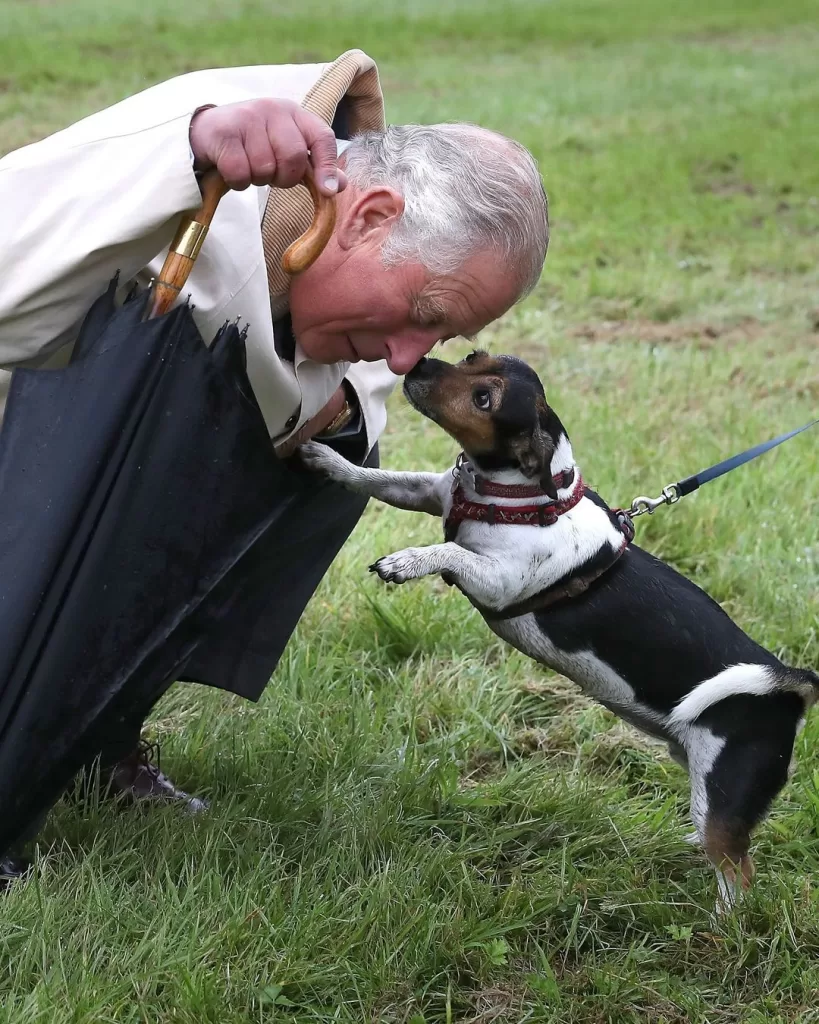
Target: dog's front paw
<point>401,566</point>
<point>320,459</point>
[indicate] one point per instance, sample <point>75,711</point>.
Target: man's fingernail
<point>331,184</point>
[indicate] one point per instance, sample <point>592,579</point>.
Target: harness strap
<point>572,586</point>
<point>544,515</point>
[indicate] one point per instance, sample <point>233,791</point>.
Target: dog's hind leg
<point>727,844</point>
<point>732,794</point>
<point>725,841</point>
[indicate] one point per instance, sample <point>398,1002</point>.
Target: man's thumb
<point>323,158</point>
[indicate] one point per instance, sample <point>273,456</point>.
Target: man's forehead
<point>463,302</point>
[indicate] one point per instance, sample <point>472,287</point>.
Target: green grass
<point>418,824</point>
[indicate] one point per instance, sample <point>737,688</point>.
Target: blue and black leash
<point>672,493</point>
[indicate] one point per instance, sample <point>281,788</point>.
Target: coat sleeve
<point>77,207</point>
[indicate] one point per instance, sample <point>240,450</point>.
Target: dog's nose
<point>419,367</point>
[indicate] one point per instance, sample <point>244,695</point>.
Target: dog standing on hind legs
<point>550,568</point>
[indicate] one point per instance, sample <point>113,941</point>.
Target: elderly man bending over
<point>440,229</point>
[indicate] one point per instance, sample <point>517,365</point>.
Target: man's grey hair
<point>466,190</point>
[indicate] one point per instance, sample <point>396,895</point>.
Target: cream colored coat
<point>105,195</point>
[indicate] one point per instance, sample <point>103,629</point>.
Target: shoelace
<point>147,753</point>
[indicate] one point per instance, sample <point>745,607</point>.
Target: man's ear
<point>368,216</point>
<point>534,453</point>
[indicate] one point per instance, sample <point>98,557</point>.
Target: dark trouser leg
<point>247,622</point>
<point>262,599</point>
<point>240,632</point>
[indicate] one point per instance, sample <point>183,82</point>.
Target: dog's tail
<point>750,679</point>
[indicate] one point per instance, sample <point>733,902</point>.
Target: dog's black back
<point>684,636</point>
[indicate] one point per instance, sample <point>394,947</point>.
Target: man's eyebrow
<point>430,309</point>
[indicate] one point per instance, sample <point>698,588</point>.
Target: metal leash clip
<point>670,496</point>
<point>457,469</point>
<point>673,492</point>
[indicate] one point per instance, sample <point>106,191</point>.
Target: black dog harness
<point>547,514</point>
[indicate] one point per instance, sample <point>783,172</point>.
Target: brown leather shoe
<point>135,779</point>
<point>12,869</point>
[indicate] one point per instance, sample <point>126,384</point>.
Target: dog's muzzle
<point>418,383</point>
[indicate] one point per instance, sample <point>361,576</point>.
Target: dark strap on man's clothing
<point>283,338</point>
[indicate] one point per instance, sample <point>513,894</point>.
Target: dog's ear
<point>534,452</point>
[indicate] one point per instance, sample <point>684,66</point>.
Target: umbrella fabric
<point>131,482</point>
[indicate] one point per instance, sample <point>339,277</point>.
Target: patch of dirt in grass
<point>744,42</point>
<point>484,763</point>
<point>805,387</point>
<point>729,185</point>
<point>562,739</point>
<point>493,1005</point>
<point>705,335</point>
<point>721,177</point>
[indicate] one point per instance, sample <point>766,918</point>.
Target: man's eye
<point>482,399</point>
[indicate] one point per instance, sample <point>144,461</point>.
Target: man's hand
<point>265,142</point>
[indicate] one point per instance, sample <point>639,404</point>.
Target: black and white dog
<point>548,565</point>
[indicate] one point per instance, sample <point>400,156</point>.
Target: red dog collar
<point>545,514</point>
<point>489,489</point>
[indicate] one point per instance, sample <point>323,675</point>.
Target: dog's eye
<point>482,399</point>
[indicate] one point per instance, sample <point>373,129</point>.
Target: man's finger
<point>233,165</point>
<point>260,155</point>
<point>323,155</point>
<point>291,153</point>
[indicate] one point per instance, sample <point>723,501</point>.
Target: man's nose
<point>405,349</point>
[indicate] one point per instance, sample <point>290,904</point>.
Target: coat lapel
<point>288,213</point>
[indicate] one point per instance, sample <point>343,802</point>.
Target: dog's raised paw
<point>320,459</point>
<point>399,566</point>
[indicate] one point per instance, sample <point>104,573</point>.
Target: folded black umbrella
<point>131,483</point>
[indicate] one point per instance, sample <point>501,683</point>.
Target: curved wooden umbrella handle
<point>194,227</point>
<point>307,249</point>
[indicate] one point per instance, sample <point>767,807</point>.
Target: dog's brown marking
<point>450,398</point>
<point>514,431</point>
<point>727,844</point>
